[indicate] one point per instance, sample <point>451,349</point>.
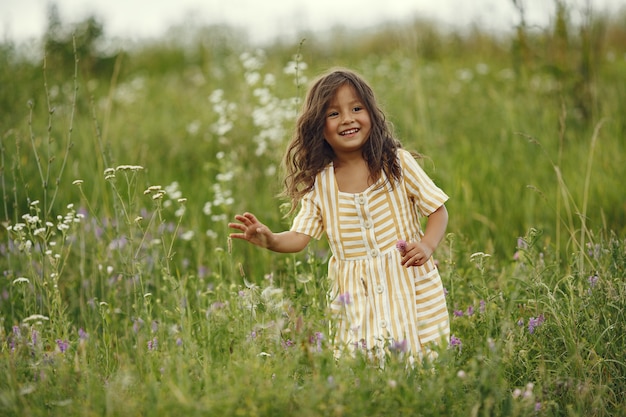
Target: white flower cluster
<point>225,111</point>
<point>270,114</point>
<point>174,194</point>
<point>222,193</point>
<point>127,93</point>
<point>35,229</point>
<point>156,190</point>
<point>109,173</point>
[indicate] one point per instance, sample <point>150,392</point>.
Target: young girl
<point>353,181</point>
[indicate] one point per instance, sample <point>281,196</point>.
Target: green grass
<point>121,294</point>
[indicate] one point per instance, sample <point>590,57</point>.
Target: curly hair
<point>309,153</point>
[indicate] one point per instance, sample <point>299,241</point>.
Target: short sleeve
<point>420,186</point>
<point>309,220</point>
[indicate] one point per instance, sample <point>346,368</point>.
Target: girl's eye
<point>333,114</point>
<point>357,108</point>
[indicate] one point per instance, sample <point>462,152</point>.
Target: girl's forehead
<point>344,92</point>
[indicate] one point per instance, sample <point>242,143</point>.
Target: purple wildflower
<point>153,344</point>
<point>534,323</point>
<point>317,340</point>
<point>458,313</point>
<point>344,298</point>
<point>203,271</point>
<point>179,341</point>
<point>482,307</point>
<point>470,310</point>
<point>455,342</point>
<point>593,280</point>
<point>82,335</point>
<point>63,345</point>
<point>137,324</point>
<point>34,336</point>
<point>399,346</point>
<point>593,250</point>
<point>218,305</point>
<point>288,343</point>
<point>401,246</point>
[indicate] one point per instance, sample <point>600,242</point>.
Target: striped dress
<point>374,300</point>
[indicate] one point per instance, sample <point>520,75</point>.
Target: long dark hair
<point>308,152</point>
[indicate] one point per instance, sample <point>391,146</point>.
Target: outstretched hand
<point>415,254</point>
<point>252,230</point>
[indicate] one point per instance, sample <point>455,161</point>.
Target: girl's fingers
<point>250,217</point>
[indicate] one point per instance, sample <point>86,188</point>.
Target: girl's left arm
<point>417,253</point>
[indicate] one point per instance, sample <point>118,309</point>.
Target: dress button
<point>361,199</point>
<point>367,224</point>
<point>374,252</point>
<point>383,324</point>
<point>380,289</point>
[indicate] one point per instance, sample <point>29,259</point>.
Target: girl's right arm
<point>259,234</point>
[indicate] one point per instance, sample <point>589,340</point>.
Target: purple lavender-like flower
<point>82,335</point>
<point>401,246</point>
<point>455,342</point>
<point>63,345</point>
<point>399,346</point>
<point>316,339</point>
<point>153,344</point>
<point>533,323</point>
<point>593,280</point>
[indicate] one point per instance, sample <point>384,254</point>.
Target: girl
<point>354,182</point>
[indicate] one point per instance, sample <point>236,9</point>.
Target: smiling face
<point>348,124</point>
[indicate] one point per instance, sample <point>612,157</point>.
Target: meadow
<point>120,167</point>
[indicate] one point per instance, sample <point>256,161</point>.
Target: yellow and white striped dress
<point>375,301</point>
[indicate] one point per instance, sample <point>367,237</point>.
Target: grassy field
<point>120,168</point>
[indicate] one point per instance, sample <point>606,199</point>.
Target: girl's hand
<point>415,254</point>
<point>252,230</point>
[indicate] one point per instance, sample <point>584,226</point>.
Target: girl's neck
<point>352,174</point>
<point>348,159</point>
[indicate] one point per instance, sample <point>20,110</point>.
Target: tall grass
<point>122,295</point>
